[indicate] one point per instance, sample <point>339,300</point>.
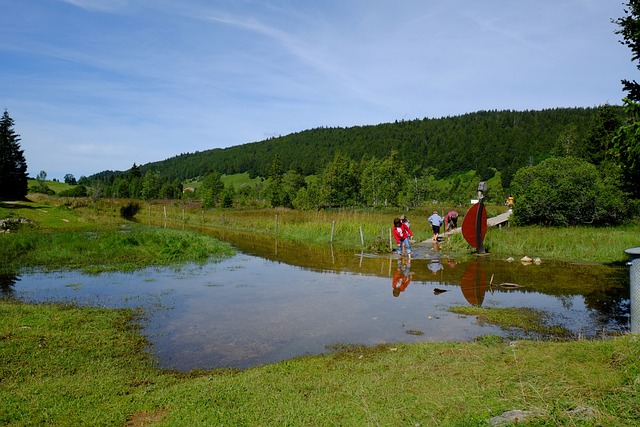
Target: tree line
<point>484,141</point>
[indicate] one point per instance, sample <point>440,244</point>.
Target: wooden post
<point>390,241</point>
<point>183,213</point>
<point>361,237</point>
<point>333,227</point>
<point>165,211</point>
<point>276,223</point>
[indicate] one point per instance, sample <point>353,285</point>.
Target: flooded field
<point>277,300</point>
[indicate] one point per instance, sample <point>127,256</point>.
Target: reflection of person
<point>451,262</point>
<point>436,222</point>
<point>435,265</point>
<point>402,233</point>
<point>451,220</point>
<point>402,278</point>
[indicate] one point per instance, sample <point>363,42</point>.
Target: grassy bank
<point>582,244</point>
<point>66,366</point>
<point>56,237</point>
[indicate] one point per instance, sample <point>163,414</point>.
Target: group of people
<point>403,235</point>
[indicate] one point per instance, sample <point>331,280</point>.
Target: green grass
<point>68,366</point>
<point>585,244</point>
<point>58,238</point>
<point>54,185</point>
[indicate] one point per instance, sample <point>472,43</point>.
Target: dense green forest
<point>485,141</point>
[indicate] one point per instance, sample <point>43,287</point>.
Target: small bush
<point>129,210</point>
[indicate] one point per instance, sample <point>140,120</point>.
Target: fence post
<point>333,227</point>
<point>361,237</point>
<point>276,223</point>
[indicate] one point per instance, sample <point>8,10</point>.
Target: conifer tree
<point>626,144</point>
<point>13,166</point>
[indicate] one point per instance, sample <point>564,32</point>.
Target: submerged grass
<point>67,366</point>
<point>535,323</point>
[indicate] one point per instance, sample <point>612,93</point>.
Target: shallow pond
<point>277,300</point>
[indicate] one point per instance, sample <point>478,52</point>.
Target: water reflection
<point>7,283</point>
<point>474,283</point>
<point>402,277</point>
<point>277,300</point>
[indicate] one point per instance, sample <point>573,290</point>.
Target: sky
<point>95,85</point>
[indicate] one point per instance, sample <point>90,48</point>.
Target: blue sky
<point>102,84</point>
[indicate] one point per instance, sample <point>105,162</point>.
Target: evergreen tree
<point>599,139</point>
<point>211,188</point>
<point>630,32</point>
<point>626,144</point>
<point>13,166</point>
<point>340,182</point>
<point>275,190</point>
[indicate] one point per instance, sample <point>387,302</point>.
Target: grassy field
<point>70,366</point>
<point>66,366</point>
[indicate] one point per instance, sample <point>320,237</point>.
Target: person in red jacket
<point>402,233</point>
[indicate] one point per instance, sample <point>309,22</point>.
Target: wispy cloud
<point>98,5</point>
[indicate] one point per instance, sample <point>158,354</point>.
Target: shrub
<point>129,210</point>
<point>566,191</point>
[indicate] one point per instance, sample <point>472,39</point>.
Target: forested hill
<point>503,140</point>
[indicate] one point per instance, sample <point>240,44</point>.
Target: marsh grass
<point>123,249</point>
<point>67,366</point>
<point>585,244</point>
<point>535,323</point>
<point>61,238</point>
<point>341,227</point>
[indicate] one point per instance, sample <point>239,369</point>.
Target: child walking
<point>402,233</point>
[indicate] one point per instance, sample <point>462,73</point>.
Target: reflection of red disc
<point>469,225</point>
<point>474,284</point>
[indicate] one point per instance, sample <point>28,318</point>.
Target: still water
<point>274,300</point>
